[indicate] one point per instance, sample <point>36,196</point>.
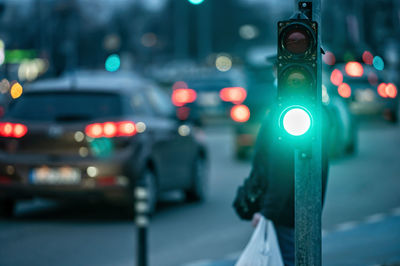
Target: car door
<point>173,148</point>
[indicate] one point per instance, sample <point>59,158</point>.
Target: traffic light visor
<point>296,121</point>
<point>297,39</point>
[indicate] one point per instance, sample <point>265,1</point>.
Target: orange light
<point>109,129</point>
<point>8,129</point>
<point>329,58</point>
<point>354,69</point>
<point>367,57</point>
<point>240,113</point>
<point>94,130</point>
<point>235,95</point>
<point>16,90</point>
<point>126,128</point>
<point>391,90</point>
<point>336,77</point>
<point>382,90</point>
<point>182,96</point>
<point>344,90</point>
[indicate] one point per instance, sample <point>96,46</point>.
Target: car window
<point>65,106</point>
<point>160,101</point>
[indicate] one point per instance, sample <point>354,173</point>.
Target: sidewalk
<point>370,243</point>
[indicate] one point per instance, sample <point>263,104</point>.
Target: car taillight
<point>111,129</point>
<point>344,90</point>
<point>183,96</point>
<point>235,95</point>
<point>240,113</point>
<point>387,90</point>
<point>12,130</point>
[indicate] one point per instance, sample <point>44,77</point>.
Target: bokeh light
<point>344,90</point>
<point>367,57</point>
<point>391,90</point>
<point>354,69</point>
<point>372,79</point>
<point>378,63</point>
<point>4,86</point>
<point>336,77</point>
<point>113,63</point>
<point>223,63</point>
<point>149,39</point>
<point>329,58</point>
<point>382,90</point>
<point>16,90</point>
<point>248,32</point>
<point>240,113</point>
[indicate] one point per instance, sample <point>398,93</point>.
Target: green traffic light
<point>113,62</point>
<point>196,2</point>
<point>296,121</point>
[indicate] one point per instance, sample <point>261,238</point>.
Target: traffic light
<point>297,78</point>
<point>196,2</point>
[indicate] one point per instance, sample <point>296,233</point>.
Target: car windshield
<point>65,106</point>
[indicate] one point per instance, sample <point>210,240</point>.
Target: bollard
<point>142,221</point>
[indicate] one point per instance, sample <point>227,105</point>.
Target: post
<point>142,222</point>
<point>308,175</point>
<point>204,34</point>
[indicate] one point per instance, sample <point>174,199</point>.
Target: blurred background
<point>205,71</point>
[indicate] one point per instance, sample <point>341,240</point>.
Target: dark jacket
<point>269,189</point>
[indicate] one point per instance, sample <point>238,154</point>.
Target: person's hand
<point>256,219</point>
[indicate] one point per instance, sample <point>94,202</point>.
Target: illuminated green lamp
<point>196,2</point>
<point>296,120</point>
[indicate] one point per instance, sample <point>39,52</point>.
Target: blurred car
<point>261,94</point>
<point>96,137</point>
<point>216,93</point>
<point>365,90</point>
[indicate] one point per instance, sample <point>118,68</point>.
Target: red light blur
<point>382,90</point>
<point>336,77</point>
<point>180,85</point>
<point>240,113</point>
<point>235,95</point>
<point>12,130</point>
<point>354,69</point>
<point>106,181</point>
<point>367,57</point>
<point>182,96</point>
<point>183,113</point>
<point>391,90</point>
<point>344,90</point>
<point>329,58</point>
<point>111,129</point>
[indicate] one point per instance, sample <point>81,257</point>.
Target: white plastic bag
<point>263,248</point>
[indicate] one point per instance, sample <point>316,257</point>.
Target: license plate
<point>55,176</point>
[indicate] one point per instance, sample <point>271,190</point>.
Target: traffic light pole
<point>308,173</point>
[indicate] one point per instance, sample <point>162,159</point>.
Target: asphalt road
<point>363,192</point>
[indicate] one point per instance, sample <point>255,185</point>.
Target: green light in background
<point>296,121</point>
<point>378,63</point>
<point>113,63</point>
<point>196,2</point>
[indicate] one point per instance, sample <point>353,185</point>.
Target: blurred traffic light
<point>297,75</point>
<point>113,62</point>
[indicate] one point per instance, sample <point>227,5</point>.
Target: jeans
<point>286,243</point>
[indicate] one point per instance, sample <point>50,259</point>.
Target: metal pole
<point>204,34</point>
<point>181,30</point>
<point>142,222</point>
<point>308,178</point>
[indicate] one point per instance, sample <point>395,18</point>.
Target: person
<point>269,189</point>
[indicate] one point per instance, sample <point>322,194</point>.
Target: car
<point>95,137</point>
<point>366,90</point>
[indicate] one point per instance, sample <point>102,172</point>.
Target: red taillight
<point>391,90</point>
<point>240,113</point>
<point>111,129</point>
<point>235,95</point>
<point>336,77</point>
<point>182,96</point>
<point>344,90</point>
<point>12,130</point>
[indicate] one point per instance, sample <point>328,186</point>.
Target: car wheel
<point>199,184</point>
<point>7,207</point>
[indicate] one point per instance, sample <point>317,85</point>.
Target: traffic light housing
<point>297,68</point>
